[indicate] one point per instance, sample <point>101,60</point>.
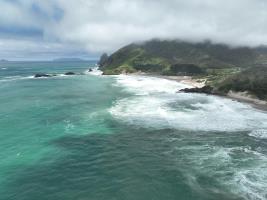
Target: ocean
<point>91,137</point>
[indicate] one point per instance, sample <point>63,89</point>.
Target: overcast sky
<point>45,29</point>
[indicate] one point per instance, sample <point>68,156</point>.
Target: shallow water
<point>124,137</point>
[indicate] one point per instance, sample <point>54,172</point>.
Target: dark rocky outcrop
<point>103,59</point>
<point>90,70</point>
<point>206,90</point>
<point>40,75</point>
<point>69,73</point>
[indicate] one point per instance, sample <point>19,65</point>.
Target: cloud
<point>96,26</point>
<point>25,49</point>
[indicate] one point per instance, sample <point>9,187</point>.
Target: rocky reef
<point>206,90</point>
<point>42,75</point>
<point>69,73</point>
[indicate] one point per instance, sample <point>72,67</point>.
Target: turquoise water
<point>123,137</point>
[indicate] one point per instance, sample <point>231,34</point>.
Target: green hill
<point>224,68</point>
<point>167,57</point>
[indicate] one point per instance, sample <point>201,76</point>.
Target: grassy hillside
<point>224,68</point>
<point>167,57</point>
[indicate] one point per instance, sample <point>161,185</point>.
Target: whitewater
<point>155,103</point>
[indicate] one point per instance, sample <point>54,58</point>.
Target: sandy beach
<point>246,98</point>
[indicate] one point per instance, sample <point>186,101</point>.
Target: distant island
<point>224,69</point>
<point>68,60</point>
<point>3,60</point>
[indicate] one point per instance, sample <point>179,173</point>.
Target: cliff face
<point>178,58</point>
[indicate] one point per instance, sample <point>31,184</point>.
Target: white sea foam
<point>259,133</point>
<point>61,75</point>
<point>142,85</point>
<point>15,78</point>
<point>156,104</point>
<point>251,182</point>
<point>95,71</point>
<point>69,126</point>
<point>248,181</point>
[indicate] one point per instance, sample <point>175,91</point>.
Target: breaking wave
<point>155,103</point>
<point>94,71</point>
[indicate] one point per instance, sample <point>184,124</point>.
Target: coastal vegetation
<point>224,68</point>
<point>252,80</point>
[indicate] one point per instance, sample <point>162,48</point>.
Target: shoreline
<point>187,80</point>
<point>241,97</point>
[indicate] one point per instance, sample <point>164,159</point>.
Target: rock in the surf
<point>39,75</point>
<point>206,89</point>
<point>69,73</point>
